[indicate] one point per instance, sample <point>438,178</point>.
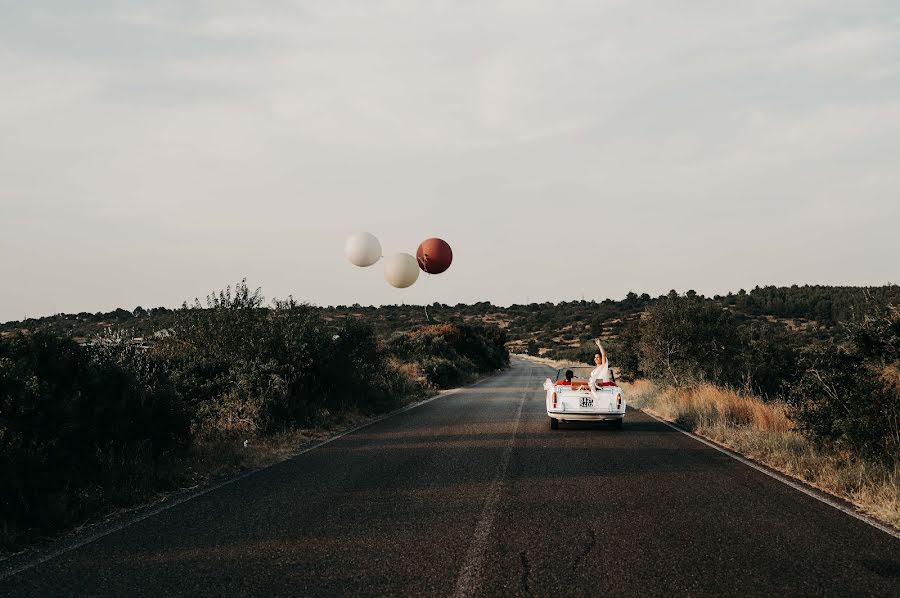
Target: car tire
<point>618,423</point>
<point>554,423</point>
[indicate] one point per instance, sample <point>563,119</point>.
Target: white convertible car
<point>580,398</point>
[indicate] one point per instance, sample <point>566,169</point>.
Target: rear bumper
<point>574,416</point>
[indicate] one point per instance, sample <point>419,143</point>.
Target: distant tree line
<point>562,329</point>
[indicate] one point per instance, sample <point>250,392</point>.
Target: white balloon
<point>362,249</point>
<point>401,270</point>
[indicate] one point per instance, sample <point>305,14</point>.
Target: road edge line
<point>819,495</point>
<point>137,518</point>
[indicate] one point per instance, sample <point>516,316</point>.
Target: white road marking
<point>821,497</point>
<point>81,541</point>
<point>470,574</point>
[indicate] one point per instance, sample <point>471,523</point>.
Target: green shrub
<point>451,354</point>
<point>850,395</point>
<point>78,428</point>
<point>250,370</point>
<point>357,373</point>
<point>625,352</point>
<point>83,429</point>
<point>690,340</point>
<point>770,359</point>
<point>444,373</point>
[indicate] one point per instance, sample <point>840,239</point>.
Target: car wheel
<point>617,423</point>
<point>554,423</point>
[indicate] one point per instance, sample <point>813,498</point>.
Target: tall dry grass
<point>229,454</point>
<point>765,433</point>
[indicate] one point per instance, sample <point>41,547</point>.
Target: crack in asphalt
<point>526,573</point>
<point>588,547</point>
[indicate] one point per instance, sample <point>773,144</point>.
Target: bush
<point>358,373</point>
<point>451,354</point>
<point>770,359</point>
<point>78,428</point>
<point>83,429</point>
<point>444,373</point>
<point>250,370</point>
<point>850,395</point>
<point>627,352</point>
<point>689,340</point>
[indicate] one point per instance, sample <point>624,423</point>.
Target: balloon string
<point>427,278</point>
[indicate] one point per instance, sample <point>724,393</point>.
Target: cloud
<point>200,142</point>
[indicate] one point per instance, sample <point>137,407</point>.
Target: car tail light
<point>554,400</point>
<point>618,401</point>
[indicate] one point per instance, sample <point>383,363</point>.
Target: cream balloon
<point>401,270</point>
<point>362,249</point>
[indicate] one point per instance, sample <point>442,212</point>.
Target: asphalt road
<point>473,494</point>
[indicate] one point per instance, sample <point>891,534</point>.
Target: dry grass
<point>765,433</point>
<point>227,455</point>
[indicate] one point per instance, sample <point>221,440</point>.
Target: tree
<point>625,353</point>
<point>849,394</point>
<point>689,340</point>
<point>770,358</point>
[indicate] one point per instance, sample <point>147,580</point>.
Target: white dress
<point>601,372</point>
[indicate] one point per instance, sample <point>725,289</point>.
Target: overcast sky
<point>151,152</point>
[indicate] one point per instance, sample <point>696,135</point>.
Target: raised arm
<point>602,350</point>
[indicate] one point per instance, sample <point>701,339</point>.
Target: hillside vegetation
<point>85,429</point>
<point>101,411</point>
<point>842,391</point>
<point>554,329</point>
<point>826,411</point>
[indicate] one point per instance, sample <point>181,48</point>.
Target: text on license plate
<point>587,402</point>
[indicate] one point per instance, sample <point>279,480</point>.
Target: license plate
<point>587,402</point>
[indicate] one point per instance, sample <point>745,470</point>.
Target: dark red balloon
<point>434,256</point>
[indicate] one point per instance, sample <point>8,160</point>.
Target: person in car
<point>568,381</point>
<point>601,372</point>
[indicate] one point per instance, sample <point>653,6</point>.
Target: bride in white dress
<point>601,372</point>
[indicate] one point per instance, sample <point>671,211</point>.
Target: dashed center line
<point>473,566</point>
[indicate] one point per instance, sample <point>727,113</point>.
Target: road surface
<point>473,494</point>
